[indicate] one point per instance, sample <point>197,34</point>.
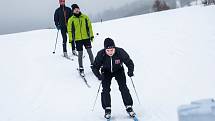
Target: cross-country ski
<point>82,75</point>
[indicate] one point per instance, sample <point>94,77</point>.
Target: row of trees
<point>160,5</point>
<point>208,2</point>
<point>134,8</point>
<point>140,7</point>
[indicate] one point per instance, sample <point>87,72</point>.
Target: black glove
<point>101,77</point>
<point>58,27</point>
<point>91,38</point>
<point>130,73</point>
<point>70,42</point>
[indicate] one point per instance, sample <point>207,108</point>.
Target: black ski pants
<point>64,36</point>
<point>106,83</point>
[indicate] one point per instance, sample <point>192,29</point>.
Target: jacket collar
<point>78,16</point>
<point>62,6</point>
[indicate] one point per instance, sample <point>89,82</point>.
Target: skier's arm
<point>97,64</point>
<point>90,27</point>
<point>56,19</point>
<point>69,29</point>
<point>127,60</point>
<point>69,13</point>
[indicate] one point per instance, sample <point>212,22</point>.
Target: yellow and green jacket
<point>79,28</point>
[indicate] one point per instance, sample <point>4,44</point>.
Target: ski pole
<point>56,42</point>
<point>96,96</point>
<point>135,90</point>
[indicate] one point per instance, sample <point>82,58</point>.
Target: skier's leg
<point>64,36</point>
<point>73,48</point>
<point>88,46</point>
<point>79,47</point>
<point>80,58</point>
<point>126,96</point>
<point>121,80</point>
<point>73,44</point>
<point>105,95</point>
<point>90,53</point>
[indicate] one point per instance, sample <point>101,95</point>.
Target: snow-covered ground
<point>173,52</point>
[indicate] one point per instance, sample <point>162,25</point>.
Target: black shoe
<point>107,113</point>
<point>130,111</point>
<point>91,66</point>
<point>74,53</point>
<point>65,55</point>
<point>81,71</point>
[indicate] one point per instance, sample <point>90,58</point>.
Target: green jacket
<point>79,28</point>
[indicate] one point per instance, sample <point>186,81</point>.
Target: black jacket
<point>59,17</point>
<point>103,61</point>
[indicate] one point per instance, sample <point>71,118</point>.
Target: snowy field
<point>173,52</point>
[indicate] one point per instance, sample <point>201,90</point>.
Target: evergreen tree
<point>160,6</point>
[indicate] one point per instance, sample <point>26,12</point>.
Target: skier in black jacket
<point>110,61</point>
<point>61,16</point>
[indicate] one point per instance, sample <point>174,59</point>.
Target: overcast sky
<point>99,5</point>
<point>23,15</point>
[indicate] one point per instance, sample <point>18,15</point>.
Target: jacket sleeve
<point>127,60</point>
<point>69,29</point>
<point>90,27</point>
<point>56,18</point>
<point>69,12</point>
<point>97,64</point>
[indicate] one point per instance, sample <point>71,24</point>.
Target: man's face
<point>62,2</point>
<point>110,51</point>
<point>76,11</point>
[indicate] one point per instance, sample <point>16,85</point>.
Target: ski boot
<point>130,111</point>
<point>91,66</point>
<point>107,113</point>
<point>65,55</point>
<point>81,71</point>
<point>74,53</point>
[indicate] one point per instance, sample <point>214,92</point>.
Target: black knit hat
<point>74,6</point>
<point>109,43</point>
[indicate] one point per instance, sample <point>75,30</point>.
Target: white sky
<point>93,6</point>
<point>35,14</point>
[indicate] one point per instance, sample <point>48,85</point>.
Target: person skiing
<point>61,16</point>
<point>80,30</point>
<point>108,64</point>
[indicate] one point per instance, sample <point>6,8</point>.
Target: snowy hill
<point>173,52</point>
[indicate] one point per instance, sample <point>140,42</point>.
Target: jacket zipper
<point>64,14</point>
<point>80,27</point>
<point>111,64</point>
